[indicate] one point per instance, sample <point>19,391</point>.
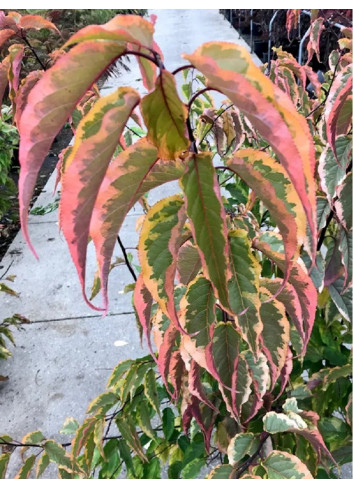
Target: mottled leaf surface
<point>96,139</point>
<point>230,69</point>
<point>165,118</point>
<point>49,106</point>
<point>207,219</point>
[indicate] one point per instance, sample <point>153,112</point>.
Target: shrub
<point>246,292</point>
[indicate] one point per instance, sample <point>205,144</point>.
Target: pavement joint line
<point>43,222</point>
<point>98,316</point>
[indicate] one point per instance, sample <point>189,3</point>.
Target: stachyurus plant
<point>249,312</point>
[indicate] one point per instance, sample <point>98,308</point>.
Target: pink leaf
<point>50,104</point>
<point>143,304</point>
<point>22,95</point>
<point>96,139</point>
<point>305,289</point>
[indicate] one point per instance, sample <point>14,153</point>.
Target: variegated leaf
<point>300,280</point>
<point>22,94</point>
<point>289,299</point>
<point>275,334</point>
<point>332,174</point>
<point>283,465</point>
<point>96,139</point>
<point>230,69</point>
<point>207,220</point>
<point>4,68</point>
<point>244,287</point>
<point>343,204</point>
<point>189,263</point>
<point>165,118</point>
<point>197,310</point>
<point>121,188</point>
<point>159,243</point>
<point>271,184</point>
<point>340,90</point>
<point>122,28</point>
<point>241,445</point>
<point>83,63</point>
<point>313,46</point>
<point>16,54</point>
<point>143,306</point>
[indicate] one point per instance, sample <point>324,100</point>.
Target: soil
<point>9,224</point>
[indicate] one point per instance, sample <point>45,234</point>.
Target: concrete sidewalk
<point>64,357</point>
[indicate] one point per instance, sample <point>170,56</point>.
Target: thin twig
<point>7,269</point>
<point>34,52</point>
<point>142,55</point>
<point>181,68</point>
<point>216,118</point>
<point>251,459</point>
<point>328,91</point>
<point>128,264</point>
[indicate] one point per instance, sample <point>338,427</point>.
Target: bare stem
<point>128,264</point>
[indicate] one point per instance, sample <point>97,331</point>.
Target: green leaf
<point>283,465</point>
<point>59,456</point>
<point>118,372</point>
<point>111,455</point>
<point>165,117</point>
<point>331,174</point>
<point>334,431</point>
<point>125,455</point>
<point>225,350</point>
<point>198,310</point>
<point>7,290</point>
<point>4,461</point>
<point>244,287</point>
<point>192,469</point>
<point>323,210</point>
<point>221,472</point>
<point>128,431</point>
<point>152,470</point>
<point>151,392</point>
<point>207,220</point>
<point>143,419</point>
<point>241,445</point>
<point>70,426</point>
<point>343,204</point>
<point>103,402</point>
<point>27,467</point>
<point>168,418</point>
<point>43,463</point>
<point>342,298</point>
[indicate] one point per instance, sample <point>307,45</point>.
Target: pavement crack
<point>98,316</point>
